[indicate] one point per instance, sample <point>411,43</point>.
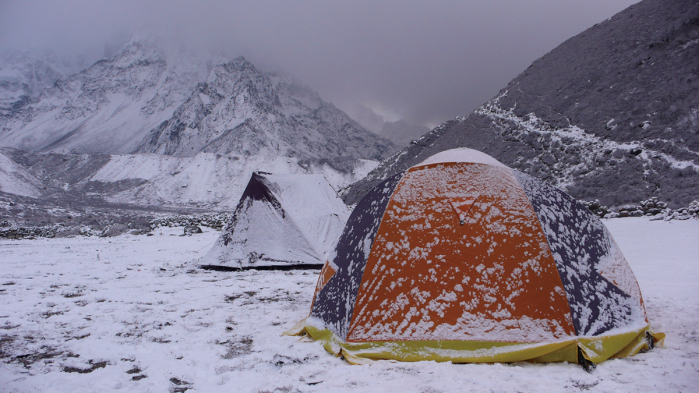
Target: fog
<point>424,62</point>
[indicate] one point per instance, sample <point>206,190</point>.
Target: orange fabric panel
<point>326,273</point>
<point>429,277</point>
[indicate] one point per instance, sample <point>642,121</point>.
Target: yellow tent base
<point>594,349</point>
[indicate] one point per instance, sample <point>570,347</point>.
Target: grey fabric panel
<point>579,242</point>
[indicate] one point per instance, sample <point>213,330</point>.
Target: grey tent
<point>281,220</point>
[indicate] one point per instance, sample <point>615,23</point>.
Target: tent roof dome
<point>462,154</point>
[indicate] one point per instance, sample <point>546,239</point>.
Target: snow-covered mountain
<point>17,180</point>
<point>611,114</point>
<point>107,108</point>
<point>240,110</point>
<point>140,100</point>
<point>142,127</point>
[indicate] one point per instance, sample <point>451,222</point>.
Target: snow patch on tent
<point>314,206</point>
<point>471,327</point>
<point>435,275</point>
<point>614,268</point>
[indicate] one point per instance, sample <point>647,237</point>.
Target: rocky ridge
<point>650,208</point>
<point>611,114</point>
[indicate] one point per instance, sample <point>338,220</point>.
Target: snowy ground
<point>134,314</point>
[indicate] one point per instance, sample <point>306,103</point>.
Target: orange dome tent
<point>463,259</point>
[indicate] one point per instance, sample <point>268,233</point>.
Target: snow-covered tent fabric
<point>463,259</point>
<point>281,220</point>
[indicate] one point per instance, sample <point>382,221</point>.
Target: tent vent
<point>461,207</point>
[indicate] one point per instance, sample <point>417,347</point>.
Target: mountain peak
<point>135,53</point>
<point>238,66</point>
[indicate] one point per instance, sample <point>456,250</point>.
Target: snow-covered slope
<point>14,179</point>
<point>611,114</point>
<point>25,74</point>
<point>206,180</point>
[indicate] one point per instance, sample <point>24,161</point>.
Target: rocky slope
<point>611,114</point>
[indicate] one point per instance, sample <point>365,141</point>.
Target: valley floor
<point>135,314</point>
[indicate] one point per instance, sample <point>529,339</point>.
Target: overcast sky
<point>424,62</point>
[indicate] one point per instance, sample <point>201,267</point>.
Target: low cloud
<point>425,62</point>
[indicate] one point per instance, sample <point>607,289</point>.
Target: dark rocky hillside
<point>611,114</point>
